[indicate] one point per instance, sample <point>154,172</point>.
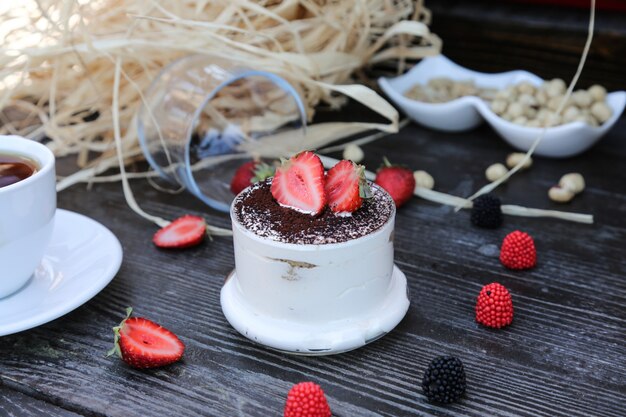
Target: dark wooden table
<point>563,355</point>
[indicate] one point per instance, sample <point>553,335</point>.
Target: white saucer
<point>82,258</point>
<point>315,339</point>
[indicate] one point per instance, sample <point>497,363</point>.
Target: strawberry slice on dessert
<point>181,233</point>
<point>299,183</point>
<point>346,187</point>
<point>142,343</point>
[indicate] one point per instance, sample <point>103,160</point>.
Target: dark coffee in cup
<point>15,168</point>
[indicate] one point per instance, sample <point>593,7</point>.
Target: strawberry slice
<point>346,187</point>
<point>299,183</point>
<point>142,343</point>
<point>181,233</point>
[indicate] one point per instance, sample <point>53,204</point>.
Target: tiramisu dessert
<point>314,270</point>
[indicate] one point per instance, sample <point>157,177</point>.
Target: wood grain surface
<point>495,36</point>
<point>562,356</point>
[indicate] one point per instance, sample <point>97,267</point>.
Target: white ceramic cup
<point>27,212</point>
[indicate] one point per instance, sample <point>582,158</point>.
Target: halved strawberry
<point>142,343</point>
<point>299,183</point>
<point>181,233</point>
<point>346,187</point>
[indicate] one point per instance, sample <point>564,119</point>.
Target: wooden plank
<point>563,355</point>
<point>16,404</point>
<point>500,36</point>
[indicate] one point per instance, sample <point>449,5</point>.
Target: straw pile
<point>75,70</point>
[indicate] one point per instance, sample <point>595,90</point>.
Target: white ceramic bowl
<point>468,112</point>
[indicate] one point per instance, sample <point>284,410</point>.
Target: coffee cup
<point>27,208</point>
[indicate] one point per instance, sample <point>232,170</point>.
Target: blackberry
<point>444,380</point>
<point>486,212</point>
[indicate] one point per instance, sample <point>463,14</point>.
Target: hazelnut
<point>582,98</point>
<point>353,152</point>
<point>498,106</point>
<point>526,88</point>
<point>573,182</point>
<point>555,88</point>
<point>554,103</point>
<point>533,123</point>
<point>514,158</point>
<point>520,120</point>
<point>597,92</point>
<point>601,111</point>
<point>531,113</point>
<point>527,100</point>
<point>560,195</point>
<point>553,120</point>
<point>495,172</point>
<point>570,113</point>
<point>515,110</point>
<point>541,97</point>
<point>423,179</point>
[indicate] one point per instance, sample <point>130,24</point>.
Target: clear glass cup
<point>201,111</point>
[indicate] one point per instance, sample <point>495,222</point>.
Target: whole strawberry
<point>398,181</point>
<point>494,306</point>
<point>518,251</point>
<point>306,399</point>
<point>142,343</point>
<point>249,173</point>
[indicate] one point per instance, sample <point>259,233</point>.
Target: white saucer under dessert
<point>82,258</point>
<point>324,338</point>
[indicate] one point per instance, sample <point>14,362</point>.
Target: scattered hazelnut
<point>423,179</point>
<point>514,158</point>
<point>560,195</point>
<point>601,111</point>
<point>353,152</point>
<point>495,172</point>
<point>573,182</point>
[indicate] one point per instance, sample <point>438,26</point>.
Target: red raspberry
<point>306,399</point>
<point>518,251</point>
<point>494,307</point>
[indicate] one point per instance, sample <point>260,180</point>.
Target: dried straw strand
<point>581,64</point>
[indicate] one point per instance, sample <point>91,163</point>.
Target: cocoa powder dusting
<point>258,212</point>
